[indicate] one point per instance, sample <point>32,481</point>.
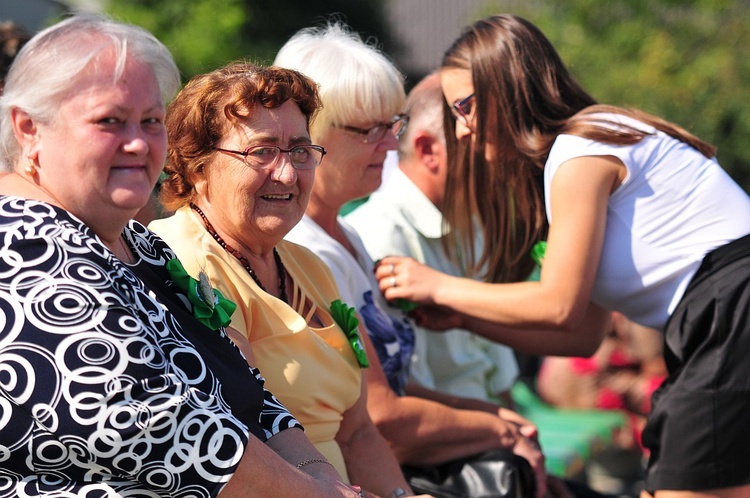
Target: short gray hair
<point>45,70</point>
<point>424,105</point>
<point>355,78</point>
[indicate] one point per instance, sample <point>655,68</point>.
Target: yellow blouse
<point>312,371</point>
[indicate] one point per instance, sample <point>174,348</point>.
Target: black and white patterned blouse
<point>108,386</point>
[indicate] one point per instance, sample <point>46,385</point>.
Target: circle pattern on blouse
<point>101,394</point>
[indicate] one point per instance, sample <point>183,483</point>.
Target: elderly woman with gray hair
<point>118,378</point>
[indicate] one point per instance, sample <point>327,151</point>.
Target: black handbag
<point>492,474</point>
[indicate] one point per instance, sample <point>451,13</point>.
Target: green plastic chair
<point>569,437</point>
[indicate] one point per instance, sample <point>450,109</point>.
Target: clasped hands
<point>527,446</point>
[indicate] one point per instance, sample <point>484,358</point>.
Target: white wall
<point>426,28</point>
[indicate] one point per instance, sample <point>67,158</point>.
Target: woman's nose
<point>283,171</point>
<point>135,142</point>
<point>462,129</point>
<point>136,139</point>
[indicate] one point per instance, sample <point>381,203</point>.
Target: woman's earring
<point>30,168</point>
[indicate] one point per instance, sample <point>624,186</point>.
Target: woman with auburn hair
<point>240,169</point>
<point>634,210</point>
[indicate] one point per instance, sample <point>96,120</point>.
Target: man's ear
<point>427,150</point>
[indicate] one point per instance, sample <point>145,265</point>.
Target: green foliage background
<point>685,60</point>
<point>206,34</point>
<point>201,34</point>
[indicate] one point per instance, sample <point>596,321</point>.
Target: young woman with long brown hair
<point>639,218</point>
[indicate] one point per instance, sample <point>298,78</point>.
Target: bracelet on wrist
<point>398,492</point>
<point>314,460</point>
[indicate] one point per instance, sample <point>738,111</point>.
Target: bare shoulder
<point>597,171</point>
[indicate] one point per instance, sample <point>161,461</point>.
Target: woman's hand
<point>525,427</point>
<point>527,446</point>
<point>270,469</point>
<point>405,278</point>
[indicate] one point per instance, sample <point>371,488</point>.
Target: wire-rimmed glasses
<point>264,156</point>
<point>461,110</point>
<point>376,133</point>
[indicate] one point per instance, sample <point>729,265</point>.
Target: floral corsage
<point>344,317</point>
<point>210,307</point>
<point>538,251</point>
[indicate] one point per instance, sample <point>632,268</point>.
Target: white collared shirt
<point>399,219</point>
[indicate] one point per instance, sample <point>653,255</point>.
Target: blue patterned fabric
<point>393,340</point>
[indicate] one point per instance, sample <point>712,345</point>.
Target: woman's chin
<point>278,226</point>
<point>371,183</point>
<point>131,201</point>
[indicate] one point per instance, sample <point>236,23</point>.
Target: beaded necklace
<point>243,260</point>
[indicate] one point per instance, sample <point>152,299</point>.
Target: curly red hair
<point>210,105</point>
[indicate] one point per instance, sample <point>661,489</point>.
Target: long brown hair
<point>525,97</point>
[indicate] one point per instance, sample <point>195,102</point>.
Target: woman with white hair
<point>361,120</point>
<point>118,379</point>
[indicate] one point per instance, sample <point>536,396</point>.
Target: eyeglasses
<point>375,134</point>
<point>264,156</point>
<point>461,110</point>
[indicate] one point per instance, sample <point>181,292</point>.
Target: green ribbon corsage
<point>210,307</point>
<point>538,251</point>
<point>537,254</point>
<point>403,304</point>
<point>344,317</point>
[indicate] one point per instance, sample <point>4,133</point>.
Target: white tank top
<point>674,207</point>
